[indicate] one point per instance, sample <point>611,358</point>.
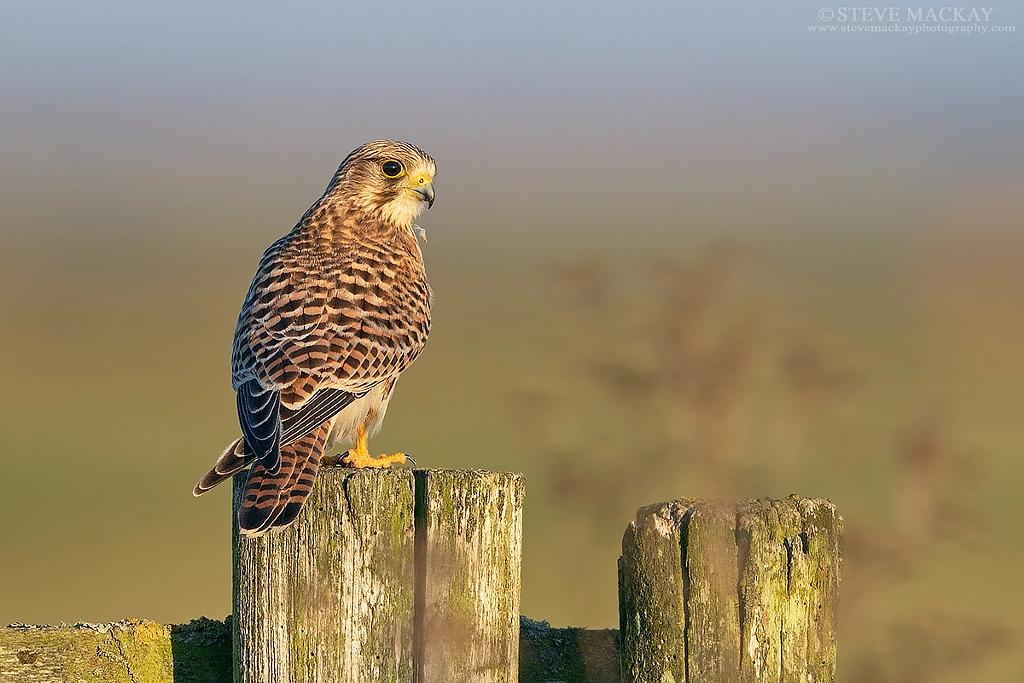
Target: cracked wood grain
<point>469,543</point>
<point>329,599</point>
<point>387,575</point>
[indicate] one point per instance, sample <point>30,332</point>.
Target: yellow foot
<point>360,457</point>
<point>356,459</point>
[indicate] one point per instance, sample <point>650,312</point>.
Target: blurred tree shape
<point>689,385</point>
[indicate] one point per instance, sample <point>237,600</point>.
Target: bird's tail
<point>233,459</point>
<point>274,500</point>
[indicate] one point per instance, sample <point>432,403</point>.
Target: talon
<point>334,460</point>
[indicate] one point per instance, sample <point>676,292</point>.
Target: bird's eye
<point>392,168</point>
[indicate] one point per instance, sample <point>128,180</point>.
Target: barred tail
<point>274,500</point>
<point>233,459</point>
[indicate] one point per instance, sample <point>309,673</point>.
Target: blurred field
<point>883,376</point>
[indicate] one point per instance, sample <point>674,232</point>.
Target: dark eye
<point>392,168</point>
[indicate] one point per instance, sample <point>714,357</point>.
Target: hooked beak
<point>426,192</point>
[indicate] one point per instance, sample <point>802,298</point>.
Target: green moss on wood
<point>570,655</point>
<point>760,588</point>
<point>331,595</point>
<point>126,652</point>
<point>653,591</point>
<point>201,653</point>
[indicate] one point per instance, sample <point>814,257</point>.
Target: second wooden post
<point>727,592</point>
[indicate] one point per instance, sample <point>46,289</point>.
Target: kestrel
<point>339,308</point>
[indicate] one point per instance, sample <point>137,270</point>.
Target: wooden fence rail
<point>412,576</point>
<point>133,651</point>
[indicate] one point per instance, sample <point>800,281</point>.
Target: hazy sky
<point>591,110</point>
<point>441,49</point>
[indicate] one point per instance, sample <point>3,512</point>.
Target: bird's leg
<point>360,456</point>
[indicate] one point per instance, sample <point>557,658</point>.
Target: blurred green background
<point>677,250</point>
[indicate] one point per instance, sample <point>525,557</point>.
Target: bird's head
<point>389,179</point>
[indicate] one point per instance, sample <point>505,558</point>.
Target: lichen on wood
<point>385,576</point>
<point>652,592</point>
<point>129,651</point>
<point>329,599</point>
<point>201,651</point>
<point>712,591</point>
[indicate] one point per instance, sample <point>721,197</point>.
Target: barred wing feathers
<point>319,328</point>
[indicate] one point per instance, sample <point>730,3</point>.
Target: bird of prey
<point>339,308</point>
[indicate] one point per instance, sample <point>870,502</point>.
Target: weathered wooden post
<point>330,598</point>
<point>717,592</point>
<point>382,571</point>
